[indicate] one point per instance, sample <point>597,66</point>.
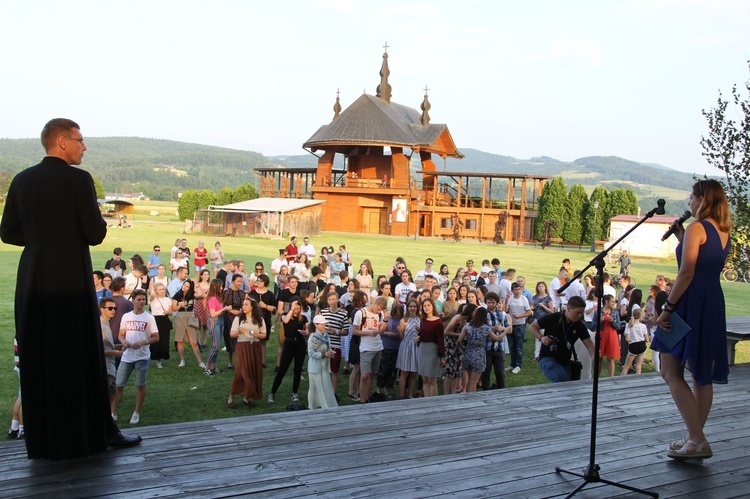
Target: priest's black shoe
<point>122,440</point>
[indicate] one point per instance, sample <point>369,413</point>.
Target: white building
<point>645,241</point>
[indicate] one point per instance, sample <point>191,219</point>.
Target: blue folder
<point>672,337</point>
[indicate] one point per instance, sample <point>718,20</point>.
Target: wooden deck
<point>503,443</point>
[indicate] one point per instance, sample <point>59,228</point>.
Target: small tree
<point>225,196</point>
<point>727,147</point>
<point>206,198</point>
<point>187,204</point>
<point>244,193</point>
<point>98,187</point>
<point>551,209</point>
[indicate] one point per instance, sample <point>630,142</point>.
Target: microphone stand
<point>591,472</point>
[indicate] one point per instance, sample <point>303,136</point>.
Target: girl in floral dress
<point>453,369</point>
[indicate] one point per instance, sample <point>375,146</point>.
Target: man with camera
<point>561,330</point>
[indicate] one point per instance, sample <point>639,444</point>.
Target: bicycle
<point>733,275</point>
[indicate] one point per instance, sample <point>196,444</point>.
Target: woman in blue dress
<point>696,296</point>
<point>407,360</point>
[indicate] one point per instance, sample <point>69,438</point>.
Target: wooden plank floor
<point>503,443</point>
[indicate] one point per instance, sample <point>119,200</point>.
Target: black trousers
<point>496,360</point>
<point>294,350</point>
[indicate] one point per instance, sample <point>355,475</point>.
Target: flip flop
<point>702,451</point>
<point>230,405</point>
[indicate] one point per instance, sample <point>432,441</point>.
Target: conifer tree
<point>575,204</point>
<point>551,208</point>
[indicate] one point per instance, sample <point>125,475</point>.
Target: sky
<point>565,79</point>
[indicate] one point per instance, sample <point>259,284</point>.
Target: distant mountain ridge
<point>162,168</point>
<point>606,168</point>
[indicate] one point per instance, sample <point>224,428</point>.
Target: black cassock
<point>52,211</point>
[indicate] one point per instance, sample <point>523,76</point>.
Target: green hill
<point>158,168</point>
<point>162,168</point>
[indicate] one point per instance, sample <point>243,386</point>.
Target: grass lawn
<point>176,395</point>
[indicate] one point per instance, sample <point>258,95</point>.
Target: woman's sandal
<point>678,444</point>
<point>248,403</point>
<point>702,451</point>
<point>230,405</point>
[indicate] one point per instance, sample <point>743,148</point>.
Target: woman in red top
<point>200,259</point>
<point>431,343</point>
<point>609,347</point>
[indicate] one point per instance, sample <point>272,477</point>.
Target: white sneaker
<point>158,364</point>
<point>295,397</point>
<point>135,418</point>
<point>271,398</point>
<point>508,368</point>
<point>516,370</point>
<point>202,365</point>
<point>114,416</point>
<point>181,364</point>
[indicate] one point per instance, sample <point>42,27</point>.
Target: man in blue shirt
<point>154,260</point>
<point>176,284</point>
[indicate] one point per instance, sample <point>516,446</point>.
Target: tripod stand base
<point>591,475</point>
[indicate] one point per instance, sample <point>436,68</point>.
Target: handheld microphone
<point>673,225</point>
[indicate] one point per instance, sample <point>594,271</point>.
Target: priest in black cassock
<point>51,210</point>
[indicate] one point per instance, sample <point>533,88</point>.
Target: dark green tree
<point>727,147</point>
<point>621,202</point>
<point>5,179</point>
<point>98,187</point>
<point>187,204</point>
<point>244,192</point>
<point>551,208</point>
<point>574,212</point>
<point>595,211</point>
<point>225,196</point>
<point>206,198</point>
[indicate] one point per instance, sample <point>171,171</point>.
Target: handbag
<point>193,322</point>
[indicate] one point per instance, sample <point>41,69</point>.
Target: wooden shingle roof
<point>370,120</point>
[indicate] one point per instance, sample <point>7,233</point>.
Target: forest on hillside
<point>158,168</point>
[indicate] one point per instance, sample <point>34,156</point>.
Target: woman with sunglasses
<point>697,298</point>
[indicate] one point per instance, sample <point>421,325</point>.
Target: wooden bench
<point>738,329</point>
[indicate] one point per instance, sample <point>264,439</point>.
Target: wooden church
<point>379,191</point>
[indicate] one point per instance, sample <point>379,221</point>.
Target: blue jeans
<point>555,371</point>
<point>515,343</point>
<point>126,369</point>
<point>216,325</point>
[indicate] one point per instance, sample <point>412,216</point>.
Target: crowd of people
<point>395,335</point>
<point>391,327</point>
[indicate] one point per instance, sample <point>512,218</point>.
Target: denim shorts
<point>126,368</point>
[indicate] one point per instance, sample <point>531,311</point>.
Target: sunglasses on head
<point>700,188</point>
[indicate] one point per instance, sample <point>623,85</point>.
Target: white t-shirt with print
<point>366,320</point>
<point>137,328</point>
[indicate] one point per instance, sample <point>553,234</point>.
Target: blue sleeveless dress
<point>704,350</point>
